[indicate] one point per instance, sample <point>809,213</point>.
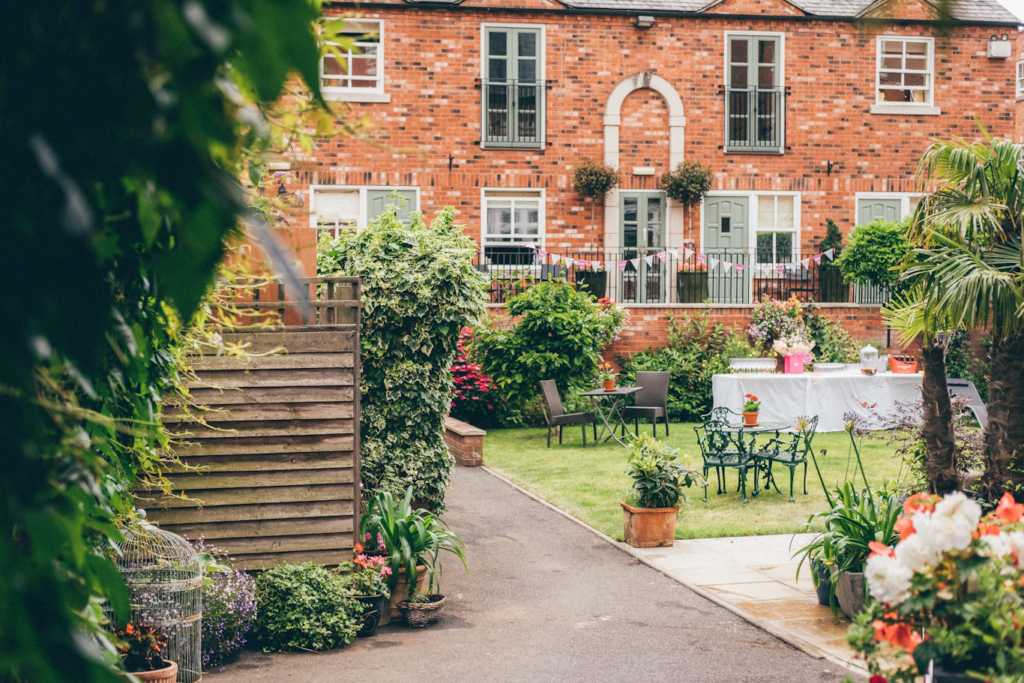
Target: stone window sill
<point>356,96</point>
<point>905,110</point>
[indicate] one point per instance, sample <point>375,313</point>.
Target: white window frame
<point>495,193</point>
<point>926,108</point>
<point>1020,79</point>
<point>794,231</point>
<point>726,77</point>
<point>541,80</point>
<point>754,216</point>
<point>363,190</point>
<point>375,94</point>
<point>904,198</point>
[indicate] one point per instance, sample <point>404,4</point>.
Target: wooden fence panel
<point>273,474</point>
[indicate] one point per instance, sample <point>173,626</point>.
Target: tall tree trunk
<point>1004,435</point>
<point>937,430</point>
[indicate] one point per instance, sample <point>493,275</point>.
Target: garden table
<point>615,403</point>
<point>764,426</point>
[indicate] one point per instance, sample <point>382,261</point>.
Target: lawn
<point>588,483</point>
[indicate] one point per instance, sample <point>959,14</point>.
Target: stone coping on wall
<point>465,442</point>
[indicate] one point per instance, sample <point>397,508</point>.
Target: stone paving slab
<point>756,576</point>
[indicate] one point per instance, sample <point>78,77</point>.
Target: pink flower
<point>386,571</point>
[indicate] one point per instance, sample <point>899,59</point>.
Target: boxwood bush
<point>419,290</point>
<point>304,607</point>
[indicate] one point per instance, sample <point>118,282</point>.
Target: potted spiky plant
<point>649,519</point>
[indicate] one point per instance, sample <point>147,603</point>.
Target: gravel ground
<point>546,600</point>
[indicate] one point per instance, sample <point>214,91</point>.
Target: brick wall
<point>433,64</point>
<point>465,442</point>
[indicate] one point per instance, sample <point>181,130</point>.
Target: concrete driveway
<point>547,600</point>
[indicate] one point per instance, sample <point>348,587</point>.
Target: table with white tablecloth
<point>827,395</point>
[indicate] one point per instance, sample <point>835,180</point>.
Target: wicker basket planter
<point>420,614</point>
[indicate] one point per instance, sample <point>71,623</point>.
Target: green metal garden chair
<point>721,449</point>
<point>790,452</point>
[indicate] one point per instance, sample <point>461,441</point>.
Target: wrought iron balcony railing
<point>513,113</point>
<point>755,119</point>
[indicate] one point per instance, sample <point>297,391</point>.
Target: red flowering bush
<point>473,401</point>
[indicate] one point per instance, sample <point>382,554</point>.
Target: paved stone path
<point>546,600</point>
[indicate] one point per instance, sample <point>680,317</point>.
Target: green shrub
<point>833,240</point>
<point>873,250</point>
<point>559,335</point>
<point>304,607</point>
<point>688,183</point>
<point>419,290</point>
<point>592,179</point>
<point>658,480</point>
<point>832,344</point>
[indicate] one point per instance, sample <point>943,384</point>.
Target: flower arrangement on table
<point>608,374</point>
<point>949,594</point>
<point>773,319</point>
<point>796,349</point>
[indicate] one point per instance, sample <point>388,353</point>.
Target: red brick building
<point>805,110</point>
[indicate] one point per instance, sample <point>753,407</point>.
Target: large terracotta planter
<point>168,674</point>
<point>595,282</point>
<point>649,527</point>
<point>401,591</point>
<point>692,286</point>
<point>850,592</point>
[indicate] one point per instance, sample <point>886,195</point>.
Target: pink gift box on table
<point>795,363</point>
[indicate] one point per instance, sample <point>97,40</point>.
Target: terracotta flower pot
<point>649,527</point>
<point>401,591</point>
<point>609,384</point>
<point>750,419</point>
<point>168,674</point>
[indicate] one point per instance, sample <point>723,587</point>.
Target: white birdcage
<point>164,581</point>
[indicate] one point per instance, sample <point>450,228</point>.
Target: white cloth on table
<point>827,395</point>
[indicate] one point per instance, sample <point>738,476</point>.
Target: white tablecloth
<point>827,395</point>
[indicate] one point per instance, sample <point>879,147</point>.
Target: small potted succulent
<point>607,376</point>
<point>649,519</point>
<point>751,408</point>
<point>369,585</point>
<point>141,649</point>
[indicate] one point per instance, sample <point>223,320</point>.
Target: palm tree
<point>967,272</point>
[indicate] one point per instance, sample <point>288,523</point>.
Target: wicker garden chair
<point>651,401</point>
<point>556,417</point>
<point>791,452</point>
<point>723,449</point>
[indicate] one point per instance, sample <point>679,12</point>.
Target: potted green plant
<point>413,539</point>
<point>368,582</point>
<point>593,180</point>
<point>688,183</point>
<point>751,409</point>
<point>141,647</point>
<point>649,519</point>
<point>833,289</point>
<point>946,600</point>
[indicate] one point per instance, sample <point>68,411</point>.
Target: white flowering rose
<point>997,546</point>
<point>920,549</point>
<point>888,579</point>
<point>954,520</point>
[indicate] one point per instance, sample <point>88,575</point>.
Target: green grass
<point>589,483</point>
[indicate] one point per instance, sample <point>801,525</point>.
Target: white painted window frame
<point>927,108</point>
<point>364,218</point>
<point>496,194</point>
<point>1020,79</point>
<point>754,211</point>
<point>542,71</point>
<point>375,94</point>
<point>782,85</point>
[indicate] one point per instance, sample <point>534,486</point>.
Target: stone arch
<point>612,119</point>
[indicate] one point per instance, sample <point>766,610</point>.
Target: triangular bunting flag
<point>831,253</point>
<point>598,265</point>
<point>649,259</point>
<point>568,261</point>
<point>726,266</point>
<point>635,262</point>
<point>806,263</point>
<point>663,256</point>
<point>712,262</point>
<point>582,263</point>
<point>701,258</point>
<point>687,252</point>
<point>541,253</point>
<point>740,267</point>
<point>531,245</point>
<point>555,258</point>
<point>780,268</point>
<point>622,265</point>
<point>817,259</point>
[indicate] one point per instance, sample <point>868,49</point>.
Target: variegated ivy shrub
<point>419,290</point>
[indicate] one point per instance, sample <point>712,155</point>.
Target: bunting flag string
<point>686,253</point>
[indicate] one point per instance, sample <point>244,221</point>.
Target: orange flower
<point>918,501</point>
<point>988,530</point>
<point>899,635</point>
<point>880,549</point>
<point>359,548</point>
<point>1008,509</point>
<point>904,526</point>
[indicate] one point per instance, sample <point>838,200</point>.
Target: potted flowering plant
<point>751,407</point>
<point>947,598</point>
<point>658,484</point>
<point>607,376</point>
<point>795,351</point>
<point>140,648</point>
<point>369,585</point>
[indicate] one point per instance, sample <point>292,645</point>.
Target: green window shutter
<point>378,200</point>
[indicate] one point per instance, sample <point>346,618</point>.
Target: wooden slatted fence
<point>278,460</point>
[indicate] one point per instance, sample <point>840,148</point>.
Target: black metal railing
<point>755,119</point>
<point>513,113</point>
<point>672,280</point>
